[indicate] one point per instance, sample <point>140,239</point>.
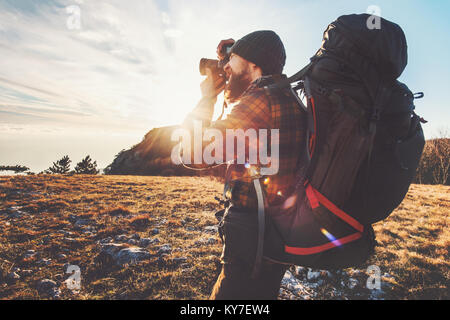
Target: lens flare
<point>330,237</point>
<point>289,202</point>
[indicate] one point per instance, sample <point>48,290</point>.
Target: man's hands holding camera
<point>220,52</point>
<point>214,83</point>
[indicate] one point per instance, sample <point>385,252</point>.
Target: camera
<point>216,66</point>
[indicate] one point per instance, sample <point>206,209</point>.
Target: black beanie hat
<point>263,48</point>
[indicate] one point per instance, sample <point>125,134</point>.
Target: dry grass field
<point>48,222</point>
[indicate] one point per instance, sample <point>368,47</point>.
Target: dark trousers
<point>239,230</point>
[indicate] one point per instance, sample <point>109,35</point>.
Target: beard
<point>236,85</point>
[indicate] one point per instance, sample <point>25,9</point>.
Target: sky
<point>81,77</point>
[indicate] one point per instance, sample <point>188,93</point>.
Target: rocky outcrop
<point>152,156</point>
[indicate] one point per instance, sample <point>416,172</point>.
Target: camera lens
<point>208,63</point>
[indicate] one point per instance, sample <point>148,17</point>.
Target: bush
<point>16,168</point>
<point>86,166</point>
<point>61,166</point>
<point>434,165</point>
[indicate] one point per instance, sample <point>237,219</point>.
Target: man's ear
<point>255,70</point>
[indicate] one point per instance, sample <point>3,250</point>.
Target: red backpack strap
<point>315,198</point>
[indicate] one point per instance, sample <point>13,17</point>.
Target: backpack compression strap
<point>315,200</point>
<point>296,77</point>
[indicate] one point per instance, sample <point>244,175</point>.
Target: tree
<point>86,166</point>
<point>17,168</point>
<point>60,166</point>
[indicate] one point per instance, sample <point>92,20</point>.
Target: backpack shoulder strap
<point>296,77</point>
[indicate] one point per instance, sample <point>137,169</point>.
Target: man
<point>256,60</point>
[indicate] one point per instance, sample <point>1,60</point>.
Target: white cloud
<point>134,64</point>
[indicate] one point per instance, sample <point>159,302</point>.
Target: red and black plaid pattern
<point>259,109</point>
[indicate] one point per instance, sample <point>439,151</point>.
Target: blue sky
<point>133,65</point>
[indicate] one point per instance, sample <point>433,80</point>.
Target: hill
<point>145,237</point>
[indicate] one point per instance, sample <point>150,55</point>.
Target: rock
<point>136,236</point>
<point>300,272</point>
<point>48,287</point>
<point>121,238</point>
<point>352,283</point>
<point>122,255</point>
<point>105,240</point>
<point>190,228</point>
<point>162,259</point>
<point>145,242</point>
<point>26,272</point>
<point>211,229</point>
<point>66,233</point>
<point>377,294</point>
<point>112,248</point>
<point>14,212</point>
<point>162,221</point>
<point>131,256</point>
<point>61,256</point>
<point>164,249</point>
<point>65,267</point>
<point>320,283</point>
<point>356,273</point>
<point>387,276</point>
<point>313,275</point>
<point>45,262</point>
<point>29,254</point>
<point>291,283</point>
<point>132,242</point>
<point>15,215</point>
<point>205,241</point>
<point>180,260</point>
<point>58,276</point>
<point>12,276</point>
<point>70,240</point>
<point>185,266</point>
<point>82,222</point>
<point>155,231</point>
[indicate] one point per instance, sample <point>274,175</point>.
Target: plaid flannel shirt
<point>259,109</point>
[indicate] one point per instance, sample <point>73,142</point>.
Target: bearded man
<point>256,61</point>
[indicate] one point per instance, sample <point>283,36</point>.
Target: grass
<point>413,241</point>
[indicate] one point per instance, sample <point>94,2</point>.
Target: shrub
<point>86,166</point>
<point>434,165</point>
<point>61,166</point>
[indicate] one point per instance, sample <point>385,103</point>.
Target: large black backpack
<point>363,147</point>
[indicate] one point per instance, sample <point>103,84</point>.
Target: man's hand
<point>212,85</point>
<point>220,46</point>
